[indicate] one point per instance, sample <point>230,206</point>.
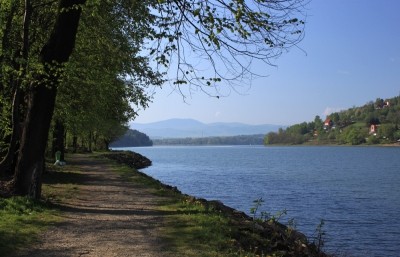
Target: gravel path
<point>108,217</point>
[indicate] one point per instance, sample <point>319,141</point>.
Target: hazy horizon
<point>206,123</point>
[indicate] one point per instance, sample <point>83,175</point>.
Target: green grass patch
<point>21,221</point>
<point>193,230</point>
<point>60,185</point>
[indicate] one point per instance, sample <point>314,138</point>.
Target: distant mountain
<point>180,128</point>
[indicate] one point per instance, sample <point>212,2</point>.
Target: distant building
<point>386,104</point>
<point>382,104</point>
<point>328,123</point>
<point>373,129</point>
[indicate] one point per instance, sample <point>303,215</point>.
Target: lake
<point>355,190</point>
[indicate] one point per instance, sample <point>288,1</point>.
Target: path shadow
<point>113,211</point>
<point>56,177</point>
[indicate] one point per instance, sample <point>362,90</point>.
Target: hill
<point>182,128</point>
<point>132,138</point>
<point>373,123</point>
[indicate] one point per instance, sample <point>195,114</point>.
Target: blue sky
<point>352,56</point>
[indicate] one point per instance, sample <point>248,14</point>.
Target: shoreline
<point>288,241</point>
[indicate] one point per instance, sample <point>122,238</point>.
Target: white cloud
<point>329,110</point>
<point>217,114</point>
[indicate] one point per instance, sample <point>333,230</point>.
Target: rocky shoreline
<point>262,236</point>
<point>132,159</point>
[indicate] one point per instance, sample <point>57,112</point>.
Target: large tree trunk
<point>7,165</point>
<point>90,141</point>
<point>74,144</point>
<point>42,95</point>
<point>9,162</point>
<point>58,139</point>
<point>107,144</point>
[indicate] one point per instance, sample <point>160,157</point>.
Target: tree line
<point>373,123</point>
<point>228,140</point>
<point>132,138</point>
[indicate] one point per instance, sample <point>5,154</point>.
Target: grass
<point>22,220</point>
<point>195,231</point>
<point>61,185</point>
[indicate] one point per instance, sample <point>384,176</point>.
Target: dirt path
<point>108,217</point>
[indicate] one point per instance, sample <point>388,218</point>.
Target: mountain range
<point>181,128</point>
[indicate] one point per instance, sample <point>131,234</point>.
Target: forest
<point>132,138</point>
<point>376,122</point>
<point>73,73</point>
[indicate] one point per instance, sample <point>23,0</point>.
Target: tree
<point>335,117</point>
<point>41,94</point>
<point>97,101</point>
<point>132,138</point>
<point>387,131</point>
<point>354,135</point>
<point>318,123</point>
<point>229,36</point>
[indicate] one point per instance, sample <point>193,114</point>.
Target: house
<point>382,104</point>
<point>373,129</point>
<point>386,104</point>
<point>328,123</point>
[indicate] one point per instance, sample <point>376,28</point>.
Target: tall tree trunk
<point>42,95</point>
<point>107,144</point>
<point>58,139</point>
<point>9,162</point>
<point>90,141</point>
<point>74,144</point>
<point>7,165</point>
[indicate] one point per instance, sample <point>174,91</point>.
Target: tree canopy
<point>90,62</point>
<point>206,43</point>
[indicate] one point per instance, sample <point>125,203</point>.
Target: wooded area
<point>227,140</point>
<point>132,138</point>
<point>374,123</point>
<point>79,70</point>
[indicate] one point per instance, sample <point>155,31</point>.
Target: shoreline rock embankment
<point>132,159</point>
<point>262,236</point>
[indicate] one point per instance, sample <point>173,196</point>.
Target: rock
<point>132,159</point>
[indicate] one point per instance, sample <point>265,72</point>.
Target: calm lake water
<point>355,190</point>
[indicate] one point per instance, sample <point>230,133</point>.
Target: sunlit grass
<point>21,221</point>
<point>192,230</point>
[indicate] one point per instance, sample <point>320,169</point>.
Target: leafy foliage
<point>121,48</point>
<point>132,138</point>
<point>210,42</point>
<point>96,101</point>
<point>348,127</point>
